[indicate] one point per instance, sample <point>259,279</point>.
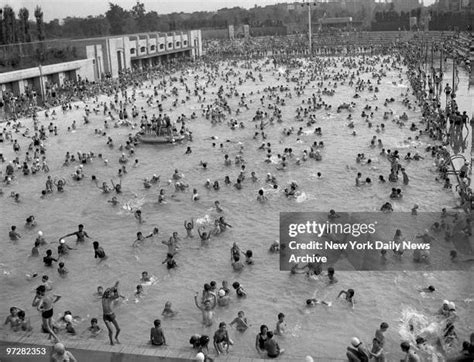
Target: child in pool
<point>349,295</point>
<point>313,302</point>
<point>239,290</point>
<point>281,325</point>
<point>167,311</point>
<point>94,328</point>
<point>240,321</point>
<point>139,292</point>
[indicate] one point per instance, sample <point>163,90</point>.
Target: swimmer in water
<point>314,302</point>
<point>240,321</point>
<point>280,328</point>
<point>205,236</point>
<point>189,226</point>
<point>349,296</point>
<point>169,261</point>
<point>274,247</point>
<point>168,311</point>
<point>113,201</point>
<point>80,234</point>
<point>218,207</point>
<point>139,292</point>
<point>13,234</point>
<point>206,308</point>
<point>138,216</point>
<point>331,278</point>
<point>140,239</point>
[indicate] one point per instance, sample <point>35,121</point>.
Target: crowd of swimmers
<point>442,126</point>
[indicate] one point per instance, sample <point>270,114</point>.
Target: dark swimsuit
<point>109,317</point>
<point>261,341</point>
<point>47,313</point>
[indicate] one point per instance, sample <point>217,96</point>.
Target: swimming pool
<point>380,296</point>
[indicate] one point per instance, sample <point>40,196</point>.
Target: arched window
<point>153,48</point>
<point>170,45</point>
<point>178,44</point>
<point>142,49</point>
<point>185,42</point>
<point>132,50</point>
<point>162,46</point>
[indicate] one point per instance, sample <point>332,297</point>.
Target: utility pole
<point>309,29</point>
<point>310,45</point>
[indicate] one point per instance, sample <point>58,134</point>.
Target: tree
<point>139,14</point>
<point>9,25</point>
<point>2,35</point>
<point>24,34</point>
<point>39,23</point>
<point>120,20</point>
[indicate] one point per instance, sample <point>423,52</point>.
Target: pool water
<point>325,332</point>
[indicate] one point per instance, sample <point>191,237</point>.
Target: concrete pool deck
<point>99,351</point>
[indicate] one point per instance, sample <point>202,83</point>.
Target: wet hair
<point>405,346</point>
<point>204,340</point>
<point>308,301</point>
<point>96,244</point>
<point>431,288</point>
<point>249,253</point>
<point>269,334</point>
<point>384,325</point>
<point>236,285</point>
<point>280,315</point>
<point>94,320</point>
<point>262,327</point>
<point>157,322</point>
<point>330,270</point>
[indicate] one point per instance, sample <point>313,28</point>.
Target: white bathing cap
<point>68,318</point>
<point>59,348</point>
<point>200,357</point>
<point>309,359</point>
<point>221,293</point>
<point>62,241</point>
<point>355,341</point>
<point>40,233</point>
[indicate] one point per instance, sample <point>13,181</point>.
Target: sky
<point>59,9</point>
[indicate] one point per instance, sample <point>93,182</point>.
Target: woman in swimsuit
<point>261,339</point>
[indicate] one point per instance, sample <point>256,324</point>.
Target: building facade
<point>99,57</point>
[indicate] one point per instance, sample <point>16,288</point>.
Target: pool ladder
<point>464,190</point>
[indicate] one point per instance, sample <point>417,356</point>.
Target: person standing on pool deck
<point>44,303</point>
<point>108,297</point>
<point>80,234</point>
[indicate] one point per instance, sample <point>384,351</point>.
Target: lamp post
<point>310,45</point>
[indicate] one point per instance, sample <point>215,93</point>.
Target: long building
<point>97,57</point>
